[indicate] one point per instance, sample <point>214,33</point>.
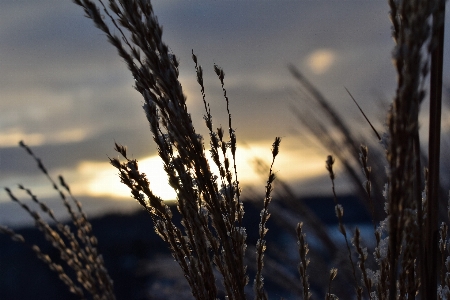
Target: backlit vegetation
<point>410,258</point>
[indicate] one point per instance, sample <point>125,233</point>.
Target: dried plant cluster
<point>210,245</point>
<point>83,269</point>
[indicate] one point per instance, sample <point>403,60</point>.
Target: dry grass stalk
<point>345,147</point>
<point>210,205</point>
<point>304,261</point>
<point>340,213</point>
<point>367,170</point>
<point>261,243</point>
<point>362,252</point>
<point>212,236</point>
<point>77,250</point>
<point>411,33</point>
<point>329,295</point>
<point>437,62</point>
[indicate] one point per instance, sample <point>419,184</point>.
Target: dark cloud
<point>58,73</point>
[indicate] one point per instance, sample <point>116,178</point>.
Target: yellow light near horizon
<point>291,164</point>
<point>101,179</point>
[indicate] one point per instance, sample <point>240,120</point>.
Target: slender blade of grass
<point>431,245</point>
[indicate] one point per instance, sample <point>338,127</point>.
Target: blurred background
<point>66,93</point>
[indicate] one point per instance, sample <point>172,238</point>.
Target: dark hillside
<point>137,259</point>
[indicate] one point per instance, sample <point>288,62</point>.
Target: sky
<point>66,93</point>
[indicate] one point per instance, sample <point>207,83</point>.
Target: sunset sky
<point>65,91</point>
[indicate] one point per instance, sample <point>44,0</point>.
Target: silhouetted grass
<point>210,245</point>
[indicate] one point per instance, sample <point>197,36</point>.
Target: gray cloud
<point>58,72</point>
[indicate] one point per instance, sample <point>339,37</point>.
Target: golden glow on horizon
<point>321,60</point>
<point>101,179</point>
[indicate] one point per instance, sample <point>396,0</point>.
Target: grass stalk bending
<point>210,242</point>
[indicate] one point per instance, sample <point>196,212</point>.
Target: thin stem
<point>430,278</point>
